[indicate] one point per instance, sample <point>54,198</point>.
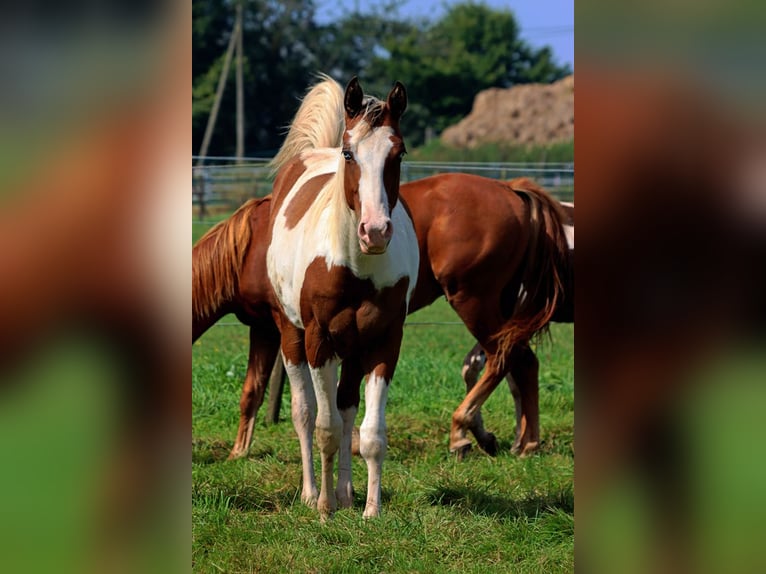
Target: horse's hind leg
<point>523,382</point>
<point>472,365</point>
<point>464,417</point>
<point>263,353</point>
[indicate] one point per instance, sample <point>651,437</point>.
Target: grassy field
<point>483,514</point>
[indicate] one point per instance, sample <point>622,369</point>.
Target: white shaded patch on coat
<point>328,230</point>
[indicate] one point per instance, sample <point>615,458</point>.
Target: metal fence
<point>223,184</point>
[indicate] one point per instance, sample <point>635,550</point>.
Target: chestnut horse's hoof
<point>460,448</point>
<point>525,448</point>
<point>489,444</point>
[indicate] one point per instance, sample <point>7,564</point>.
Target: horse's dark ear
<point>353,98</point>
<point>397,100</point>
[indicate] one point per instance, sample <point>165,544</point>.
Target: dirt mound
<point>530,114</point>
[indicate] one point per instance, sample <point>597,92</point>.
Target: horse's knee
<point>329,434</point>
<point>372,443</point>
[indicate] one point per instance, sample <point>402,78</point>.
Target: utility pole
<point>218,94</point>
<point>240,89</point>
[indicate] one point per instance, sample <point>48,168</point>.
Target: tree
<point>445,64</point>
<point>280,56</point>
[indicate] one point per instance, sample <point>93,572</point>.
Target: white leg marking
<point>373,441</point>
<point>569,232</point>
<point>345,489</point>
<point>304,412</point>
<point>329,427</point>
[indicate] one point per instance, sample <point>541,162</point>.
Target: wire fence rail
<point>223,183</point>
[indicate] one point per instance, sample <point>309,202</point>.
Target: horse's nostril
<point>362,230</point>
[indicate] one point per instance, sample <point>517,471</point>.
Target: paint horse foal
<point>342,261</point>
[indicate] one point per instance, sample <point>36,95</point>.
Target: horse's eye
<point>348,156</point>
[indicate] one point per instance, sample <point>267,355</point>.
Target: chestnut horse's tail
<point>217,260</point>
<point>544,267</point>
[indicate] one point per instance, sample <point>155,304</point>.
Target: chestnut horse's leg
<point>465,415</point>
<point>523,382</point>
<point>472,365</point>
<point>263,352</point>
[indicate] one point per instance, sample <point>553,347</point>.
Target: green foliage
<point>443,64</point>
<point>484,514</point>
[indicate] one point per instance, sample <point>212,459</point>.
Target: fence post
<point>200,184</point>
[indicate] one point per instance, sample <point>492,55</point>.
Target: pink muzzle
<point>374,236</point>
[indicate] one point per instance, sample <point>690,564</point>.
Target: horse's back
<point>466,222</point>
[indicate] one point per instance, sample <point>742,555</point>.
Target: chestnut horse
<point>342,260</point>
<point>524,239</point>
<point>522,376</point>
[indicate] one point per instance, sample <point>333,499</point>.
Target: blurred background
<point>94,223</point>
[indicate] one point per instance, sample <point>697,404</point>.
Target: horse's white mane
<point>319,122</point>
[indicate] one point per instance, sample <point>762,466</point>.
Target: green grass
<point>437,151</point>
<point>483,514</point>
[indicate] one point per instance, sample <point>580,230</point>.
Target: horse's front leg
<point>303,404</point>
<point>304,412</point>
<point>373,441</point>
<point>348,405</point>
<point>329,428</point>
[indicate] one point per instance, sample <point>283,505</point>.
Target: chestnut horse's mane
<point>544,266</point>
<point>217,260</point>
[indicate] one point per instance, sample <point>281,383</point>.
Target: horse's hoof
<point>460,448</point>
<point>524,448</point>
<point>236,454</point>
<point>529,448</point>
<point>489,445</point>
<point>372,511</point>
<point>326,511</point>
<point>309,499</point>
<point>345,498</point>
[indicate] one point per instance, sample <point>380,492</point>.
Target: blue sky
<point>542,22</point>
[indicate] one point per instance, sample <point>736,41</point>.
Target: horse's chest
<point>347,310</point>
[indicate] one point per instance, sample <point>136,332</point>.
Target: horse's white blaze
<point>371,153</point>
<point>333,236</point>
<point>372,439</point>
<point>304,412</point>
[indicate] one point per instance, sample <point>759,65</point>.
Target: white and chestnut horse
<point>342,261</point>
